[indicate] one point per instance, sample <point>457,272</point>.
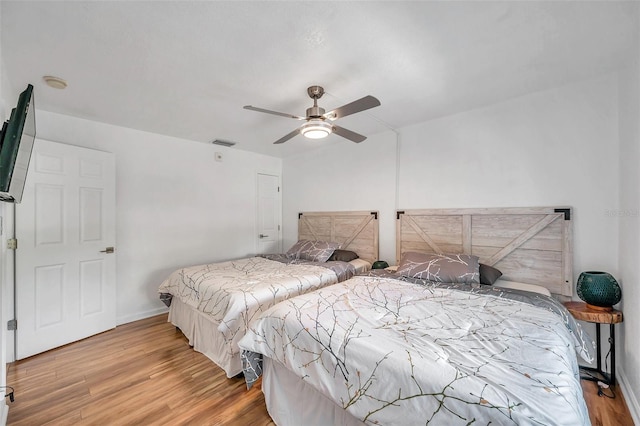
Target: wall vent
<point>223,142</point>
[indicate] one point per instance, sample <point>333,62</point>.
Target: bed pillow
<point>343,255</point>
<point>318,251</point>
<point>315,251</point>
<point>446,268</point>
<point>522,286</point>
<point>489,274</point>
<point>294,251</point>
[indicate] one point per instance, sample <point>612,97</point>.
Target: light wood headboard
<point>528,244</point>
<point>354,230</point>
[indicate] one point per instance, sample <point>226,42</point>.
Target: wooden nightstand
<point>582,312</point>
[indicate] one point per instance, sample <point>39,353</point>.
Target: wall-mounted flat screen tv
<point>16,144</point>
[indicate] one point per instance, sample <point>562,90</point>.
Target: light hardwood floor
<point>145,373</point>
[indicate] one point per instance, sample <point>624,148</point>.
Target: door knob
<point>108,250</point>
<point>263,236</point>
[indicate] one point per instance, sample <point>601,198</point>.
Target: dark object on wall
<point>16,144</point>
<point>599,289</point>
<point>379,264</point>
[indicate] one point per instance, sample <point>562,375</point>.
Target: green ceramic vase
<point>379,264</point>
<point>598,289</point>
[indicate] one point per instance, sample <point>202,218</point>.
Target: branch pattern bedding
<point>234,292</point>
<point>385,347</point>
<point>214,304</point>
<point>231,294</point>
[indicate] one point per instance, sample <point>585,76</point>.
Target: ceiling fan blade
<point>287,137</point>
<point>348,134</point>
<point>268,111</point>
<point>356,106</point>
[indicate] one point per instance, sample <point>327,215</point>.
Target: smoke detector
<point>55,82</point>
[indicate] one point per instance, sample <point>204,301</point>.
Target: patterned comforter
<point>429,353</point>
<point>233,293</point>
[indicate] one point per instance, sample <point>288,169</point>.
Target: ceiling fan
<point>319,124</point>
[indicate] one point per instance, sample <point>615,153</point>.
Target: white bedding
<point>361,265</point>
<point>228,296</point>
<point>291,401</point>
<point>522,286</point>
<point>392,352</point>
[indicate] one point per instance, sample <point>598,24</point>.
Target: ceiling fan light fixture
<point>316,128</point>
<point>316,124</point>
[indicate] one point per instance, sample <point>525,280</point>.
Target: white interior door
<point>268,213</point>
<point>65,273</point>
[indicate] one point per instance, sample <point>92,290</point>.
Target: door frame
<point>107,231</point>
<point>256,242</point>
<point>7,280</point>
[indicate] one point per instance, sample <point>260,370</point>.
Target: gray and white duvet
<point>233,293</point>
<point>395,352</point>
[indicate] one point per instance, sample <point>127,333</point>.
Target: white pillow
<point>361,265</point>
<point>522,286</point>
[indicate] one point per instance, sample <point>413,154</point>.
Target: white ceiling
<point>186,68</point>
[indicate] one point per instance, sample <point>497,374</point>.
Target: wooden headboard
<point>356,231</point>
<point>528,244</point>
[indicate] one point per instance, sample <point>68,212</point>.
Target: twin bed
<point>214,304</point>
<point>429,344</point>
<point>413,347</point>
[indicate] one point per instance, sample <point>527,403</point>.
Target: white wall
<point>3,293</point>
<point>6,300</point>
<point>552,148</point>
<point>343,176</point>
<point>176,205</point>
<point>629,222</point>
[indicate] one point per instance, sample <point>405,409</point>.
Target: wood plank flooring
<point>605,411</point>
<point>145,373</point>
<point>140,373</point>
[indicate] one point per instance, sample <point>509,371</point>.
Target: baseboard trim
<point>629,396</point>
<point>141,315</point>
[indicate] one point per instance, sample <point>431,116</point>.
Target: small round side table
<point>582,312</point>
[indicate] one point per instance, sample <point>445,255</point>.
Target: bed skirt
<point>203,335</point>
<point>292,402</point>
